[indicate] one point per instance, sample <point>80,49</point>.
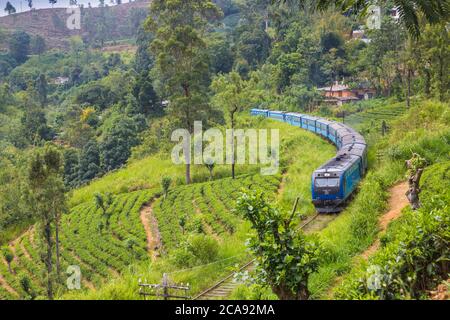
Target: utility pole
<point>162,290</point>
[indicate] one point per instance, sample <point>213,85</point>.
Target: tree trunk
<point>414,190</point>
<point>441,79</point>
<point>284,293</point>
<point>233,164</point>
<point>187,94</point>
<point>427,83</point>
<point>58,271</point>
<point>9,267</point>
<point>233,170</point>
<point>48,259</point>
<point>408,94</point>
<point>188,173</point>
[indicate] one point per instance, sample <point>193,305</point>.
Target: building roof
<point>334,99</point>
<point>335,88</point>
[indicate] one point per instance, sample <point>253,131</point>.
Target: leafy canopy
<point>285,256</point>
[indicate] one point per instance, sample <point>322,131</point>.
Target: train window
<point>331,182</point>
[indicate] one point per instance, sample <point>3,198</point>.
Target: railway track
<point>223,288</point>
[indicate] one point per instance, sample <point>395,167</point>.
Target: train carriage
<point>322,127</point>
<point>359,150</point>
<point>309,123</point>
<point>333,132</point>
<point>333,183</point>
<point>277,115</point>
<point>259,112</point>
<point>294,119</point>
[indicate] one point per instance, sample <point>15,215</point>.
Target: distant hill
<point>51,23</point>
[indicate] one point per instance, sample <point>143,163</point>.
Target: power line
<point>164,289</point>
<point>205,265</point>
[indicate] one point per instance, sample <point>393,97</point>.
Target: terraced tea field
<point>101,252</point>
<point>104,252</point>
<point>373,117</point>
<point>206,207</point>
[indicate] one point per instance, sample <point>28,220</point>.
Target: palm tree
<point>433,11</point>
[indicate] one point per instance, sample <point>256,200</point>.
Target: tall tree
<point>89,166</point>
<point>41,89</point>
<point>116,147</point>
<point>143,89</point>
<point>30,4</point>
<point>333,67</point>
<point>19,46</point>
<point>71,163</point>
<point>10,8</point>
<point>181,62</point>
<point>230,94</point>
<point>47,200</point>
<point>435,64</point>
<point>34,126</point>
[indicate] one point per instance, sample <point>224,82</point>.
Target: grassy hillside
<point>206,208</point>
<point>415,250</point>
<point>201,236</point>
<point>423,129</point>
<point>101,252</point>
<point>147,173</point>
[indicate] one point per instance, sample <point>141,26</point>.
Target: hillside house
<point>60,81</point>
<point>339,94</point>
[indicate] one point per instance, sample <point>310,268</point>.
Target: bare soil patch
<point>397,202</point>
<point>151,230</point>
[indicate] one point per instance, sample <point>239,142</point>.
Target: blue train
<point>333,183</point>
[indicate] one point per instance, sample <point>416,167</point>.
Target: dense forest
<point>85,145</point>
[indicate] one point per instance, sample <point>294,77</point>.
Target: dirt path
<point>151,230</point>
<point>282,186</point>
<point>397,202</point>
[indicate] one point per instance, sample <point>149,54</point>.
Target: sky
<point>22,5</point>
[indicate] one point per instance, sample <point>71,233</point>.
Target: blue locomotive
<point>334,182</point>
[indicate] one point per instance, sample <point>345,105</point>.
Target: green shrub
<point>198,249</point>
<point>204,248</point>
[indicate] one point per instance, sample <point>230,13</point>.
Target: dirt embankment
<point>397,202</point>
<point>51,24</point>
